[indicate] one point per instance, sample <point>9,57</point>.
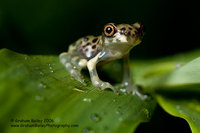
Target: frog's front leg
<point>94,76</point>
<point>74,65</point>
<point>127,83</point>
<point>127,78</point>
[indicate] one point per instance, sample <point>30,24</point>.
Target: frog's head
<point>123,35</point>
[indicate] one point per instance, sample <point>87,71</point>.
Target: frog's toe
<point>126,87</point>
<point>130,88</point>
<point>108,85</point>
<point>81,80</point>
<point>139,94</point>
<point>104,85</point>
<point>77,76</point>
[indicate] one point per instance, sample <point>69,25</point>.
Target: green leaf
<point>188,109</point>
<point>39,87</point>
<point>172,74</point>
<point>182,78</point>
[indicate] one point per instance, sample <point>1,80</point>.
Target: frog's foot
<point>76,74</point>
<point>130,88</point>
<point>142,96</point>
<point>104,85</point>
<point>73,66</point>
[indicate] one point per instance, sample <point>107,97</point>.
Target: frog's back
<point>87,47</point>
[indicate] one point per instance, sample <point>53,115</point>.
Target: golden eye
<point>109,30</point>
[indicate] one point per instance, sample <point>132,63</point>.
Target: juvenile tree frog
<point>116,42</point>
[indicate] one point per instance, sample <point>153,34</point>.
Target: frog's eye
<point>109,30</point>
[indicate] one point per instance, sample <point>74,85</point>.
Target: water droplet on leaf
<point>194,119</point>
<point>42,85</point>
<point>120,119</point>
<point>103,113</point>
<point>177,65</point>
<point>123,90</point>
<point>95,117</point>
<point>41,73</point>
<point>38,98</point>
<point>117,112</point>
<point>87,100</point>
<point>114,100</point>
<point>57,119</point>
<point>26,57</point>
<point>178,107</point>
<point>104,127</point>
<point>88,130</point>
<point>51,68</point>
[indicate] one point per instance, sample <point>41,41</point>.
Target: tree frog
<point>116,42</point>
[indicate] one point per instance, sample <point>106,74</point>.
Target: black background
<point>49,26</point>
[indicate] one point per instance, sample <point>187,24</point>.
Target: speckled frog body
<point>116,42</point>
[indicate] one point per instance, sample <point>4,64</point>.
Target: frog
<point>114,43</point>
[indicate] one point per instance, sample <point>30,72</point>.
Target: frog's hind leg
<point>74,65</point>
<point>94,76</point>
<point>127,83</point>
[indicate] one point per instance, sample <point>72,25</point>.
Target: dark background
<point>49,26</point>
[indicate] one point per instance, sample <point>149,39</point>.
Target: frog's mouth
<point>122,47</point>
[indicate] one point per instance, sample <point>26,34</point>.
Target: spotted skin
<point>116,42</point>
<point>89,46</point>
